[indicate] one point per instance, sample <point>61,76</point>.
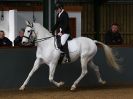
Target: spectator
<point>4,41</point>
<point>113,36</point>
<point>18,39</point>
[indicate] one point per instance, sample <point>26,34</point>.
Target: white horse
<point>47,53</point>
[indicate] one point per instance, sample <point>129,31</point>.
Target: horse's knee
<point>84,72</point>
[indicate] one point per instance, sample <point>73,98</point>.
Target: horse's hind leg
<point>96,69</point>
<point>35,67</point>
<point>84,62</point>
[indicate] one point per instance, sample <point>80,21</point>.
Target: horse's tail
<point>111,59</point>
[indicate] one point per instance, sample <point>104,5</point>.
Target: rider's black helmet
<point>59,5</point>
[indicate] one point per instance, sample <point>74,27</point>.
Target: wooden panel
<point>21,6</point>
<point>121,14</point>
<point>73,27</point>
<point>110,13</point>
<point>73,8</point>
<point>87,19</point>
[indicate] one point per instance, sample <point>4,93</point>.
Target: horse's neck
<point>47,45</point>
<point>41,31</point>
<point>42,35</point>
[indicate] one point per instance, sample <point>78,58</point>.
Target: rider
<point>62,28</point>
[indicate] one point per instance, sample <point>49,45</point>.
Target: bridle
<point>30,37</point>
<point>31,31</point>
<point>35,40</point>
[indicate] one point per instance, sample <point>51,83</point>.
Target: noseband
<point>31,31</point>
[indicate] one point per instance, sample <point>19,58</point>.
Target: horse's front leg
<point>35,67</point>
<point>52,68</point>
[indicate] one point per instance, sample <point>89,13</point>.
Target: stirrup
<point>60,50</point>
<point>67,60</point>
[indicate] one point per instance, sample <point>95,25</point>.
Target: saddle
<point>64,49</point>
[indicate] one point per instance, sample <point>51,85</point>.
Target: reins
<point>42,39</point>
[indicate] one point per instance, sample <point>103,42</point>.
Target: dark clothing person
<point>62,29</point>
<point>62,22</point>
<point>5,42</point>
<point>17,41</point>
<point>113,38</point>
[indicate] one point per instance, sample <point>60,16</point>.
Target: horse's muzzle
<point>27,43</point>
<point>23,43</point>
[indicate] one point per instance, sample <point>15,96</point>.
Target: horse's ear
<point>27,22</point>
<point>31,24</point>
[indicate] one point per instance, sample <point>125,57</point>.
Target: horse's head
<point>29,34</point>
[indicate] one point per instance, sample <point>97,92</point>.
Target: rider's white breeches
<point>64,38</point>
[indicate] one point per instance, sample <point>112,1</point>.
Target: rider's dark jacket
<point>62,22</point>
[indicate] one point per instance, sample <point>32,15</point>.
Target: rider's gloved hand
<point>60,34</point>
<point>52,33</point>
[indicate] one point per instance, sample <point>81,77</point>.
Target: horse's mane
<point>39,27</point>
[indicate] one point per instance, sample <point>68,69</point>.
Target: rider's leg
<point>64,38</point>
<point>65,48</point>
<point>58,38</point>
<point>64,44</point>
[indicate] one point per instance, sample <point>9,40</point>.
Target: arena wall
<point>16,63</point>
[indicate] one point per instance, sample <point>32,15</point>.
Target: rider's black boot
<point>58,38</point>
<point>63,48</point>
<point>66,51</point>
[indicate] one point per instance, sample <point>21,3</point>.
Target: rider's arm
<point>55,26</point>
<point>65,22</point>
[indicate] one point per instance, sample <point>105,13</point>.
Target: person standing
<point>4,41</point>
<point>113,36</point>
<point>18,39</point>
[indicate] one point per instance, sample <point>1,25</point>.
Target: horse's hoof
<point>60,84</point>
<point>103,82</point>
<point>21,88</point>
<point>73,88</point>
